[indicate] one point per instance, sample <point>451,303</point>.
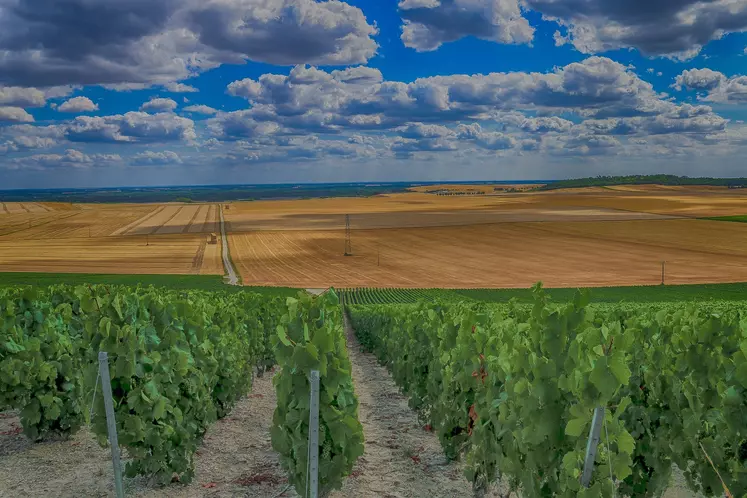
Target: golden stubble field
<point>109,238</point>
<point>579,237</point>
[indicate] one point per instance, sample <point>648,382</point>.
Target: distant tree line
<point>604,181</point>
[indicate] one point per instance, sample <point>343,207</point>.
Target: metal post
<point>591,446</point>
<point>111,424</point>
<point>313,478</point>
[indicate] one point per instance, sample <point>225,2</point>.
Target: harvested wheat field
<point>112,238</point>
<point>179,254</point>
<point>587,237</point>
<point>496,255</point>
<point>573,237</point>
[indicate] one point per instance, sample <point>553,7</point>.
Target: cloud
<point>71,158</point>
<point>180,88</point>
<point>159,105</point>
<point>673,28</point>
<point>240,124</point>
<point>21,97</point>
<point>284,32</point>
<point>139,43</point>
<point>150,157</point>
<point>15,114</point>
<point>719,88</point>
<point>430,23</point>
<point>78,104</point>
<point>698,79</point>
<point>603,104</point>
<point>676,28</point>
<point>309,98</point>
<point>200,109</point>
<point>136,127</point>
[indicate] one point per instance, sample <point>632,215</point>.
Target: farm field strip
<point>179,221</point>
<point>34,207</point>
<point>153,223</point>
<point>189,224</point>
<point>430,218</point>
<point>164,254</point>
<point>14,208</point>
<point>201,217</point>
<point>490,256</point>
<point>206,221</point>
<point>127,228</point>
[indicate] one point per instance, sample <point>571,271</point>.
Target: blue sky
<point>171,92</point>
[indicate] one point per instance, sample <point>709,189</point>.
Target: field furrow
<point>4,208</point>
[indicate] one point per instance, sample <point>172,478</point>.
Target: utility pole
<point>663,264</point>
<point>147,239</point>
<point>378,257</point>
<point>348,244</point>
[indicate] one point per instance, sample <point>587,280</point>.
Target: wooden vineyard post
<point>591,446</point>
<point>111,423</point>
<point>312,480</point>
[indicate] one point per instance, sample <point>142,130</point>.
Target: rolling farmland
<point>586,237</point>
<point>574,237</point>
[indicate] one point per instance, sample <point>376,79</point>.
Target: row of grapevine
<point>310,337</point>
<point>368,295</point>
<point>512,389</point>
<point>178,361</point>
<point>177,364</point>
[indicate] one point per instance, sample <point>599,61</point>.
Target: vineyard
<point>401,296</point>
<point>178,362</point>
<point>508,389</point>
<point>511,390</point>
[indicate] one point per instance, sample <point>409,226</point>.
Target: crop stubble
<point>124,238</point>
<point>589,237</point>
<point>573,237</point>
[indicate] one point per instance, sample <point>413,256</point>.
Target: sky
<point>103,93</point>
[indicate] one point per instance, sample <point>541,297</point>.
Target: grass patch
<point>741,218</point>
<point>632,294</point>
<point>187,282</point>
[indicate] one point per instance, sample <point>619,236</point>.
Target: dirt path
<point>232,277</point>
<point>401,459</point>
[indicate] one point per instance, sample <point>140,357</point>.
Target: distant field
<point>117,239</point>
<point>594,237</point>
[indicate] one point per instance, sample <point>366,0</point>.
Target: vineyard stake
<point>111,423</point>
<point>591,446</point>
<point>313,477</point>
